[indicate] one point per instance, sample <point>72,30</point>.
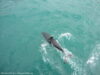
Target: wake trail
<point>75,63</point>
<point>68,57</point>
<point>94,60</point>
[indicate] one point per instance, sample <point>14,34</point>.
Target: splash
<point>74,62</point>
<point>43,45</point>
<point>43,52</point>
<point>48,58</point>
<point>67,35</point>
<point>67,54</point>
<point>69,58</point>
<point>94,56</point>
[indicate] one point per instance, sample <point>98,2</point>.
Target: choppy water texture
<point>74,23</point>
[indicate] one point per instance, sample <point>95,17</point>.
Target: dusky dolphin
<point>50,39</point>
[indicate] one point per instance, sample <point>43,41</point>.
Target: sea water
<point>75,24</point>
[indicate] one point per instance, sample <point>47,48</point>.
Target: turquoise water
<point>74,23</point>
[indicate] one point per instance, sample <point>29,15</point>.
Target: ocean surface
<point>75,24</point>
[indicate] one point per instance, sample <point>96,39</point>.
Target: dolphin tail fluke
<point>67,56</point>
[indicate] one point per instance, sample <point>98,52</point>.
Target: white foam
<point>43,45</point>
<point>67,55</point>
<point>76,65</point>
<point>74,62</point>
<point>44,59</point>
<point>67,35</point>
<point>44,52</point>
<point>94,56</point>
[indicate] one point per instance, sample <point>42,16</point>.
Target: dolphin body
<point>52,41</point>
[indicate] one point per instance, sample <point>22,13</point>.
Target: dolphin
<point>50,39</point>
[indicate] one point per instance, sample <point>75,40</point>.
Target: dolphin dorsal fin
<point>51,38</point>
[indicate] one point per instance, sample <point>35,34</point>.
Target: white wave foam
<point>67,54</point>
<point>74,62</point>
<point>94,56</point>
<point>48,58</point>
<point>44,52</point>
<point>76,65</point>
<point>43,45</point>
<point>67,35</point>
<point>45,59</point>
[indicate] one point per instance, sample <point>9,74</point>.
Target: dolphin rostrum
<point>50,39</point>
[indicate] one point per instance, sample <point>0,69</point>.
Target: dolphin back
<point>46,36</point>
<point>52,41</point>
